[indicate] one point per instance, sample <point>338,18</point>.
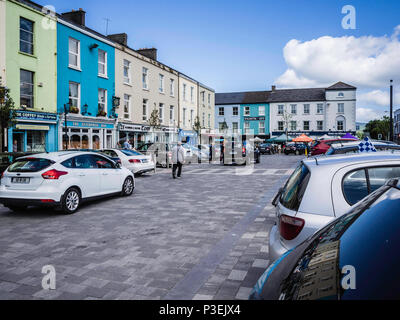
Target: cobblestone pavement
<point>204,236</point>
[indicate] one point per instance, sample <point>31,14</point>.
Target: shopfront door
<point>18,141</point>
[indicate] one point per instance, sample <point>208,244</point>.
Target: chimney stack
<point>149,53</point>
<point>121,38</point>
<point>77,17</point>
<point>273,88</point>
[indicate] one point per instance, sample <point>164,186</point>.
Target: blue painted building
<point>243,113</point>
<point>85,85</point>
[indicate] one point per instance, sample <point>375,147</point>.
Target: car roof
<point>59,155</point>
<point>341,160</point>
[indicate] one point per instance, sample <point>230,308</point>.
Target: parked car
<point>63,180</point>
<point>362,245</point>
<point>322,146</point>
<point>113,158</point>
<point>353,147</point>
<point>135,161</point>
<point>161,151</point>
<point>240,154</point>
<point>200,155</point>
<point>321,189</point>
<point>266,148</point>
<point>295,148</point>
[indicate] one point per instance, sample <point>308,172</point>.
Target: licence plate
<point>20,180</point>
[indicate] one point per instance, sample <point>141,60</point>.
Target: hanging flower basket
<point>74,109</point>
<point>102,113</point>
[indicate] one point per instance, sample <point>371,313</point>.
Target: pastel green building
<point>31,75</point>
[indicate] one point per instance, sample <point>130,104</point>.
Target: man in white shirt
<point>178,158</point>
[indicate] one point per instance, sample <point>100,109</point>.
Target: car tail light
<point>134,161</point>
<point>47,201</point>
<point>53,174</point>
<point>290,227</point>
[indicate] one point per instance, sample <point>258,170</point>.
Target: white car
<point>133,160</point>
<point>63,180</point>
<point>324,188</point>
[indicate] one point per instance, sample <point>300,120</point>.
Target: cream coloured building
<point>3,41</point>
<point>143,85</point>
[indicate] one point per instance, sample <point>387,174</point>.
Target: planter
<point>74,110</point>
<point>102,114</point>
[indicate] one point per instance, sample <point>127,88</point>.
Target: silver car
<point>324,188</point>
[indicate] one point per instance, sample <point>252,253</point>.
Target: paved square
<point>204,236</point>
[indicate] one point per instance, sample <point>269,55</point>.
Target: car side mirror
<point>118,165</point>
<point>278,195</point>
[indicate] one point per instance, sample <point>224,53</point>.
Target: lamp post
<point>391,111</point>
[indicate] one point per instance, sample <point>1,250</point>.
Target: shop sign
<point>184,133</point>
<point>84,124</point>
<point>31,127</point>
<point>254,118</point>
<point>132,127</point>
<point>31,115</point>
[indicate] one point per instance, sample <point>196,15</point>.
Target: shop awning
<point>32,127</point>
<point>303,138</point>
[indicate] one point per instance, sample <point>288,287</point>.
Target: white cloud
<point>367,114</point>
<point>378,98</point>
<point>367,61</point>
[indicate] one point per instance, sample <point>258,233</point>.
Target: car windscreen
<point>30,165</point>
<point>295,187</point>
<point>366,240</point>
<point>130,153</point>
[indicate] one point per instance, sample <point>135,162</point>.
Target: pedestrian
<point>15,146</point>
<point>127,145</point>
<point>279,149</point>
<point>178,158</point>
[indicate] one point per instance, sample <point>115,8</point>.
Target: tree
<point>376,127</point>
<point>7,112</point>
<point>287,117</point>
<point>197,127</point>
<point>224,126</point>
<point>154,120</point>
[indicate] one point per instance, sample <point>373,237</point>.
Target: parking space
<point>204,236</point>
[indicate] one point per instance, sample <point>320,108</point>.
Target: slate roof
<point>276,96</point>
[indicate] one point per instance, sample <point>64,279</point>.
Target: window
<point>145,109</point>
<point>355,186</point>
<point>204,120</point>
<point>280,109</point>
<point>184,92</point>
<point>85,162</point>
<point>340,125</point>
<point>203,97</point>
<point>209,120</point>
<point>161,83</point>
<point>145,72</point>
<point>171,114</point>
<point>235,127</point>
<point>127,106</point>
<point>25,35</point>
<point>161,112</point>
<point>74,53</point>
<point>191,116</point>
<point>30,165</point>
<point>26,89</point>
<point>341,95</point>
<point>379,176</point>
<point>306,125</point>
<point>320,108</point>
<point>74,96</point>
<point>320,125</point>
<point>295,187</point>
<point>172,87</point>
<point>102,100</point>
<point>184,116</point>
<point>235,111</point>
<point>127,72</point>
<point>102,163</point>
<point>340,107</point>
<point>191,94</point>
<point>221,111</point>
<point>280,126</point>
<point>102,63</point>
<point>261,110</point>
<point>293,108</point>
<point>246,127</point>
<point>209,99</point>
<point>221,126</point>
<point>36,141</point>
<point>293,125</point>
<point>247,111</point>
<point>261,127</point>
<point>306,109</point>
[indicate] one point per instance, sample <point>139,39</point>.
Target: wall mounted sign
<point>31,115</point>
<point>254,118</point>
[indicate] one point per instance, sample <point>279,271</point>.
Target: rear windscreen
<point>30,165</point>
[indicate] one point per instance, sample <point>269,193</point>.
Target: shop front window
<point>85,142</point>
<point>36,141</point>
<point>75,142</point>
<point>96,142</point>
<point>65,145</point>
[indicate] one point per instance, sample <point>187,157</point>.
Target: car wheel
<point>128,187</point>
<point>17,208</point>
<point>70,201</point>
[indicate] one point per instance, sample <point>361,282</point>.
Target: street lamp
<point>66,111</point>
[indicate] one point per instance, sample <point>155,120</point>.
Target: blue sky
<point>238,45</point>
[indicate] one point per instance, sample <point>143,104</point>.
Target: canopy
<point>303,138</point>
<point>282,138</point>
<point>271,140</point>
<point>325,137</point>
<point>257,139</point>
<point>349,136</point>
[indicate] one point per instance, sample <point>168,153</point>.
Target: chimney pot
<point>273,88</point>
<point>77,17</point>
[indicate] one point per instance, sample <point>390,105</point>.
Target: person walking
<point>127,145</point>
<point>178,158</point>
